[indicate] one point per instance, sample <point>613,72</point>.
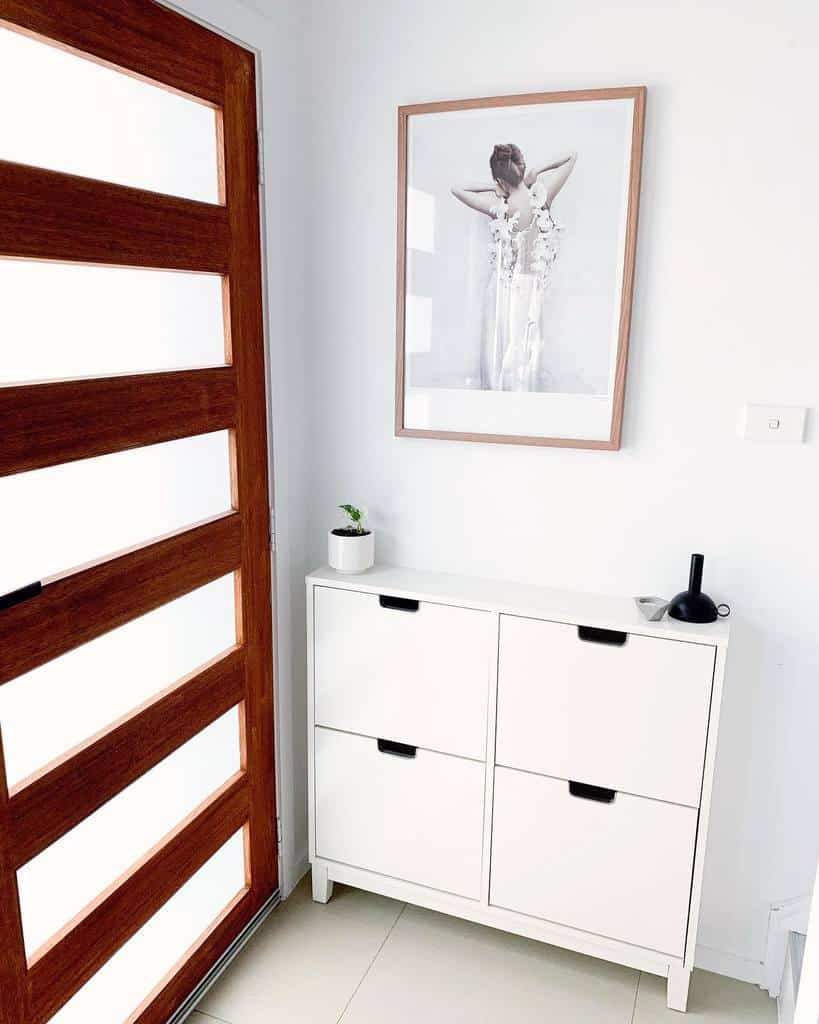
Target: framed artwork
<point>517,229</point>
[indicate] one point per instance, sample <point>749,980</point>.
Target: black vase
<point>692,605</point>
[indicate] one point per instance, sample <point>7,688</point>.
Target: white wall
<point>725,312</point>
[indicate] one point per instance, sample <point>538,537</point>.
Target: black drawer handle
<point>397,749</point>
<point>18,596</point>
<point>593,635</point>
<point>587,792</point>
<point>401,604</point>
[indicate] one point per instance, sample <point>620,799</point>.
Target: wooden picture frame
<point>611,353</point>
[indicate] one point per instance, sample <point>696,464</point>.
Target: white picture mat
<point>513,413</point>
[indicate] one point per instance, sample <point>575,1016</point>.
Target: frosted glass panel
<point>101,848</point>
<point>90,687</point>
<point>60,517</point>
<point>69,114</point>
<point>69,320</point>
<point>113,994</point>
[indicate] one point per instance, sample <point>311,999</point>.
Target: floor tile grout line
<point>210,1016</point>
<point>636,994</point>
<point>363,977</point>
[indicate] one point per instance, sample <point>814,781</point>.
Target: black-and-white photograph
<point>516,242</point>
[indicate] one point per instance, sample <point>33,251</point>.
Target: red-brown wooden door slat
<point>87,602</point>
<point>61,421</point>
<point>50,215</point>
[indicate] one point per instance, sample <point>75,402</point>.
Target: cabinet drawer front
<point>632,716</point>
<point>620,869</point>
<point>416,818</point>
<point>421,676</point>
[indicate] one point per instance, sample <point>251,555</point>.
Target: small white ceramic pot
<point>351,554</point>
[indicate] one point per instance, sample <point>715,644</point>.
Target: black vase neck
<point>695,576</point>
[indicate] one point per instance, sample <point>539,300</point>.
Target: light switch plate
<point>774,424</point>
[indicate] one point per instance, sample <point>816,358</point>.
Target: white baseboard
<point>785,1006</point>
<point>786,1000</point>
<point>785,917</point>
<point>728,964</point>
<point>292,874</point>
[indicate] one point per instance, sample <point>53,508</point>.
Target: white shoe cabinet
<point>531,759</point>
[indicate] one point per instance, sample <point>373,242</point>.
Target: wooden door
<point>72,220</point>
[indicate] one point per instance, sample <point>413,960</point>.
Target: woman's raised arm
<point>558,172</point>
<point>477,197</point>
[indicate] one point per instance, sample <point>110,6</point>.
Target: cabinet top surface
<point>573,607</point>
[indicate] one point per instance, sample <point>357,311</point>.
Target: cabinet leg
<point>322,886</point>
<point>677,995</point>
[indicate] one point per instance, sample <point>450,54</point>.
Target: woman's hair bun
<point>507,163</point>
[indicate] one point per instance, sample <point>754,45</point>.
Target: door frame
<point>242,25</point>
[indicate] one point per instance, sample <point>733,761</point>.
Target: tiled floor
<point>364,959</point>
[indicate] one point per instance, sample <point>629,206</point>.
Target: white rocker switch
<point>774,424</point>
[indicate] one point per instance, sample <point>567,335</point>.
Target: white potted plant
<point>351,548</point>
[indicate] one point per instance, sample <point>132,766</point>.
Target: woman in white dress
<point>524,246</point>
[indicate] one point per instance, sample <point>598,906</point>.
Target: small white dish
<point>652,608</point>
